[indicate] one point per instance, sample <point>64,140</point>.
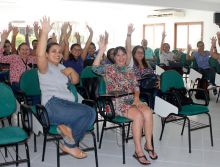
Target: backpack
<point>202,84</point>
<point>181,93</point>
<point>148,81</point>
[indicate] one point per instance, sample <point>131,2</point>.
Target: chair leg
<point>44,146</point>
<point>189,134</point>
<point>58,153</point>
<point>16,148</point>
<point>218,95</point>
<point>95,149</point>
<point>210,125</point>
<point>103,127</point>
<point>123,142</point>
<point>97,126</point>
<point>183,126</point>
<point>129,126</point>
<point>35,143</point>
<point>163,126</point>
<point>27,154</point>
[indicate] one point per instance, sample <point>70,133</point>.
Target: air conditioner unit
<point>166,13</point>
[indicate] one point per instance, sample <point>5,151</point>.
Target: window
<point>188,33</point>
<point>152,32</point>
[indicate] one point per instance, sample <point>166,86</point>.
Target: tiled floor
<point>172,150</point>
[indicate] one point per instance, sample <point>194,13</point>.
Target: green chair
<point>13,136</point>
<point>91,85</point>
<point>107,111</point>
<point>184,110</point>
<point>214,64</point>
<point>30,92</point>
<point>51,134</point>
<point>157,54</point>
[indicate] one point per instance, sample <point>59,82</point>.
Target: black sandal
<point>152,152</point>
<point>138,157</point>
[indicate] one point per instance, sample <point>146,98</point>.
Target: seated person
<point>73,119</point>
<point>19,62</point>
<point>169,58</point>
<point>148,54</point>
<point>202,59</point>
<point>77,56</point>
<point>119,77</point>
<point>141,69</point>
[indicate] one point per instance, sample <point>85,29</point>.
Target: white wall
<point>111,17</point>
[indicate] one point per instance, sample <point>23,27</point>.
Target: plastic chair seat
<point>193,109</point>
<point>11,135</point>
<point>120,119</point>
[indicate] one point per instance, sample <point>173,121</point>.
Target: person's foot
<point>141,158</point>
<point>150,150</point>
<point>75,152</point>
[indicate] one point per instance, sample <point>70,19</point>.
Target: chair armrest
<point>42,116</point>
<point>89,102</point>
<point>190,92</point>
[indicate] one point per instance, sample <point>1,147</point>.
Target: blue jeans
<point>78,117</point>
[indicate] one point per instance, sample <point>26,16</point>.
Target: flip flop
<point>152,153</point>
<point>138,157</point>
<point>81,155</point>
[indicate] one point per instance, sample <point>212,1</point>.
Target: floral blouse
<point>119,78</point>
<point>140,72</point>
<point>17,65</point>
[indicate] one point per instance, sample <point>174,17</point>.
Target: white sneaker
<point>210,87</point>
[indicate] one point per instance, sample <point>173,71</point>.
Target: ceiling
<point>208,5</point>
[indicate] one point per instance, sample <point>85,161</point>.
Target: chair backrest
<point>93,83</point>
<point>171,79</point>
<point>26,118</point>
<point>7,101</point>
<point>29,83</point>
<point>163,108</point>
<point>43,118</point>
<point>157,54</point>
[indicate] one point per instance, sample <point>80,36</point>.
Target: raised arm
<point>218,36</point>
<point>36,30</point>
<point>4,36</point>
<point>128,43</point>
<point>162,41</point>
<point>103,41</point>
<point>213,50</point>
<point>13,41</point>
<point>27,30</point>
<point>88,42</point>
<point>77,36</point>
<point>189,53</point>
<point>41,47</point>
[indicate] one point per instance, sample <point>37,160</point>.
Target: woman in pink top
<point>19,62</point>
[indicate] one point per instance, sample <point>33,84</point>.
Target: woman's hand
<point>136,102</point>
<point>46,25</point>
<point>72,74</point>
<point>67,71</point>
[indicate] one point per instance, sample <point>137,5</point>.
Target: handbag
<point>148,81</point>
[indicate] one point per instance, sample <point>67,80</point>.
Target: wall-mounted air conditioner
<point>166,13</point>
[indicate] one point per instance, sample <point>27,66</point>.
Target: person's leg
<point>77,117</point>
<point>148,129</point>
<point>137,126</point>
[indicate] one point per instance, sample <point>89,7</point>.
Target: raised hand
<point>213,41</point>
<point>164,35</point>
<point>54,37</point>
<point>36,26</point>
<point>77,36</point>
<point>27,29</point>
<point>15,31</point>
<point>130,29</point>
<point>90,29</point>
<point>4,35</point>
<point>10,27</point>
<point>64,27</point>
<point>70,30</point>
<point>46,25</point>
<point>103,39</point>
